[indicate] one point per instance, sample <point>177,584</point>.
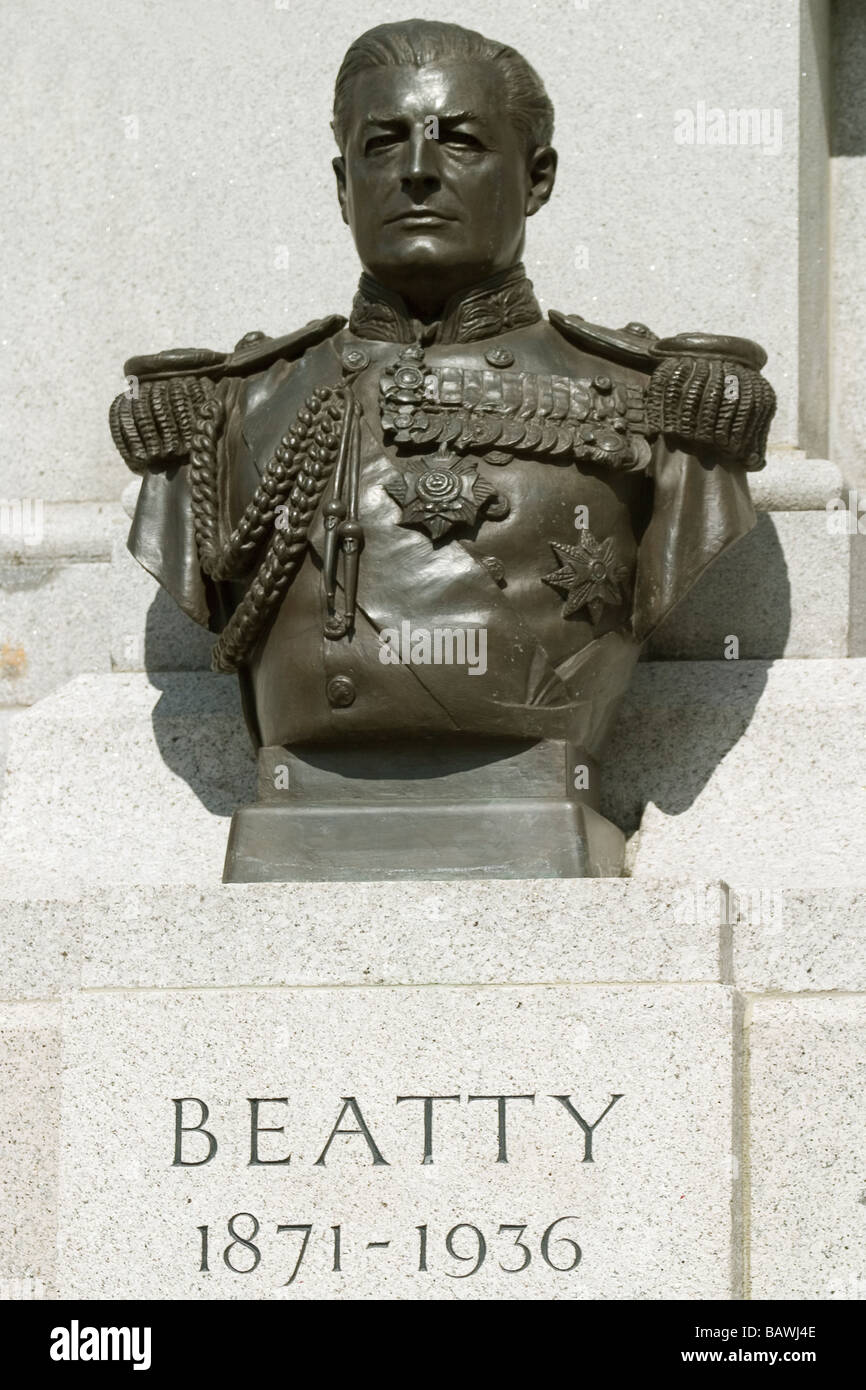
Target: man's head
<point>444,152</point>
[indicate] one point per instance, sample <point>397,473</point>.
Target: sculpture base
<point>435,811</point>
<point>512,839</point>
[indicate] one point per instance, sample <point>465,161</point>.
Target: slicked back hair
<point>420,42</point>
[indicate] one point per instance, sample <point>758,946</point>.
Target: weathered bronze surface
<point>432,539</point>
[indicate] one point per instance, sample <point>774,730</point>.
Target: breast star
<point>589,574</point>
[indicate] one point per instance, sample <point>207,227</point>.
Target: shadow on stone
<point>680,718</point>
<point>746,594</point>
<point>198,723</point>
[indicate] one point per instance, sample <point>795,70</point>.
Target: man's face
<point>435,182</point>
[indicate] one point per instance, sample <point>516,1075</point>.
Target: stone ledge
<point>72,531</point>
<point>791,482</point>
<point>788,940</point>
<point>579,931</point>
<point>543,931</point>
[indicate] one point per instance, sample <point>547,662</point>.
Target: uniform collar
<point>501,302</point>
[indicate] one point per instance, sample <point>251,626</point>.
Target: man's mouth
<point>421,217</point>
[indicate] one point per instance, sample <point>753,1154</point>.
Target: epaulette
<point>153,420</point>
<point>705,392</point>
<point>630,346</point>
<point>637,346</point>
<point>254,353</point>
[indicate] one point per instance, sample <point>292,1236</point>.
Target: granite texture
<point>183,936</point>
<point>587,931</point>
<point>126,781</point>
<point>29,1108</point>
<point>857,629</point>
<point>545,931</point>
<point>747,770</point>
<point>54,623</point>
<point>6,716</point>
<point>796,940</point>
<point>41,943</point>
<point>39,532</point>
<point>652,1213</point>
<point>807,1189</point>
<point>792,482</point>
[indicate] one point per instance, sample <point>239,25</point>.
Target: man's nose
<point>420,174</point>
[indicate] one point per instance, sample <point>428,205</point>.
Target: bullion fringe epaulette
<point>705,391</point>
<point>152,422</point>
<point>705,396</point>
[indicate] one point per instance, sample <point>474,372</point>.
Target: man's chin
<point>425,258</point>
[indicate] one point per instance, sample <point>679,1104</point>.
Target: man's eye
<point>462,137</point>
<point>380,142</point>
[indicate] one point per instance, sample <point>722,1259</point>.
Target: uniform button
<point>341,692</point>
<point>602,384</point>
<point>640,329</point>
<point>499,357</point>
<point>355,359</point>
<point>249,339</point>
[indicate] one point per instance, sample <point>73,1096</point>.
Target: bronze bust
<point>433,538</point>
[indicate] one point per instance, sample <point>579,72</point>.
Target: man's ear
<point>542,177</point>
<point>339,167</point>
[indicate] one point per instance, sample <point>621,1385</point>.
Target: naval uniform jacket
<point>611,468</point>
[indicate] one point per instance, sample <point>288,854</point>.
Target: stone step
<point>34,531</point>
<point>7,714</point>
<point>729,769</point>
<point>545,931</point>
<point>782,591</point>
<point>75,601</point>
<point>54,624</point>
<point>743,768</point>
